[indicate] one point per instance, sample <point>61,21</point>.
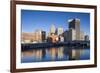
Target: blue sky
<point>32,20</point>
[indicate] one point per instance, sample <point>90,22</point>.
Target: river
<point>55,54</point>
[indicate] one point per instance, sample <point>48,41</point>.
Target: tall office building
<point>71,34</point>
<point>59,31</point>
<point>43,36</point>
<point>82,37</point>
<point>40,35</point>
<point>75,54</point>
<point>86,38</point>
<point>52,29</point>
<point>65,34</point>
<point>75,24</point>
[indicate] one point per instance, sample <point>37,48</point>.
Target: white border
<point>20,65</point>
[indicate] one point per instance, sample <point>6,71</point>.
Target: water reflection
<point>55,54</point>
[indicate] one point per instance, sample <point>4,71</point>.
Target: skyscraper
<point>59,31</point>
<point>40,35</point>
<point>65,34</point>
<point>43,36</point>
<point>75,24</point>
<point>52,29</point>
<point>86,38</point>
<point>82,36</point>
<point>71,34</point>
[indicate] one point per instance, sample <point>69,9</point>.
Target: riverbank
<point>29,46</point>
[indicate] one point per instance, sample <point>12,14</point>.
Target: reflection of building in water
<point>60,52</point>
<point>37,54</point>
<point>74,54</point>
<point>27,53</point>
<point>55,53</point>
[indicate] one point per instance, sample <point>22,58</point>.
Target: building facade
<point>86,38</point>
<point>82,37</point>
<point>59,31</point>
<point>75,24</point>
<point>52,29</point>
<point>71,34</point>
<point>27,37</point>
<point>65,34</point>
<point>53,38</point>
<point>37,36</point>
<point>40,36</point>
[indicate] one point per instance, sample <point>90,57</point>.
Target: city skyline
<point>32,20</point>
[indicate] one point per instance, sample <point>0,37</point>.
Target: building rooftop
<point>70,20</point>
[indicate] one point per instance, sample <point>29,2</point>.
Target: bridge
<point>29,46</point>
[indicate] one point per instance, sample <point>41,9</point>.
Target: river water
<point>55,54</point>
